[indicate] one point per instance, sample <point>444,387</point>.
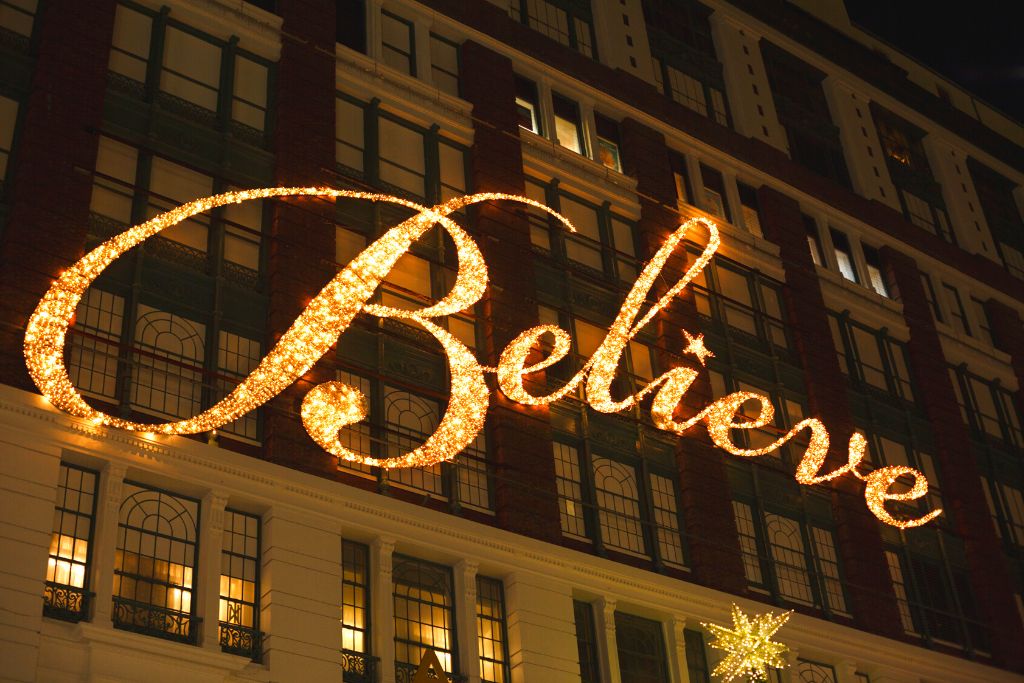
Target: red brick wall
<point>868,585</point>
<point>50,178</point>
<point>706,499</point>
<point>302,249</point>
<point>962,490</point>
<point>526,497</point>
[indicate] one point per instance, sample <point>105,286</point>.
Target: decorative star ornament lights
<point>332,406</point>
<point>751,650</point>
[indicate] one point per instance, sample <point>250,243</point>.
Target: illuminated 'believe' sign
<point>332,406</point>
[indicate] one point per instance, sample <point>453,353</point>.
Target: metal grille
<point>424,619</point>
<point>240,585</point>
<point>66,593</point>
<point>666,520</point>
<point>492,643</point>
<point>641,647</point>
<point>570,496</point>
<point>156,556</point>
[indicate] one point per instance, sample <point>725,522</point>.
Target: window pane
<point>239,584</point>
<point>401,157</point>
<point>129,53</point>
<point>423,613</point>
<point>355,599</point>
<point>570,497</point>
<point>250,101</point>
<point>191,68</point>
<point>348,143</point>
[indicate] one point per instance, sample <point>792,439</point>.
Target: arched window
<point>410,419</point>
<point>787,549</point>
<point>618,505</point>
<point>153,568</point>
<point>167,363</point>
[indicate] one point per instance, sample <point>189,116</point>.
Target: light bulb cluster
<point>332,406</point>
<point>751,652</point>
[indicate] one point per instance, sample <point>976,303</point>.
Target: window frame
<point>64,600</point>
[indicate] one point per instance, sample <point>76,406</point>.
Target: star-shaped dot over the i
<point>751,652</point>
<point>695,345</point>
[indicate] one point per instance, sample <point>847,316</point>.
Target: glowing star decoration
<point>330,407</point>
<point>751,650</point>
<point>695,345</point>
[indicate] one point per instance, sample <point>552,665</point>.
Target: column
<point>48,193</point>
<point>789,674</point>
<point>746,81</point>
<point>612,31</point>
<point>858,539</point>
<point>28,488</point>
<point>465,620</point>
<point>300,261</point>
<point>541,629</point>
<point>526,499</point>
<point>211,543</point>
<point>845,671</point>
<point>987,568</point>
<point>301,595</point>
<point>108,507</point>
<point>948,162</point>
<point>382,604</point>
<point>676,646</point>
<point>851,112</point>
<point>607,646</point>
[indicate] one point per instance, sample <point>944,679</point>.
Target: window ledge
<point>868,306</point>
<point>982,359</point>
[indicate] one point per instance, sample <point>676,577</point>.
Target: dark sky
<point>978,44</point>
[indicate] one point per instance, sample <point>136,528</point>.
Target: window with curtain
<point>424,614</point>
<point>157,550</point>
<point>239,610</point>
<point>66,593</point>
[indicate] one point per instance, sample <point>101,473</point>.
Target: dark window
<point>750,207</point>
<point>424,614</point>
<point>813,241</point>
<point>528,105</point>
<point>641,647</point>
<point>358,665</point>
<point>351,24</point>
<point>995,193</point>
<point>956,309</point>
<point>240,585</point>
<point>492,641</point>
<point>444,64</point>
<point>696,657</point>
<point>157,550</point>
<point>586,642</point>
<point>681,176</point>
<point>929,294</point>
<point>66,595</point>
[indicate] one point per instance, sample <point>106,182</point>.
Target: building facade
<point>871,273</point>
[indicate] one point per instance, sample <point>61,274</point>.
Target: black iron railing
<point>69,603</point>
<point>241,640</point>
<point>358,667</point>
<point>156,621</point>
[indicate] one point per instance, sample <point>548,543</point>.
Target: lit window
<point>66,594</point>
<point>239,585</point>
<point>153,571</point>
<point>568,128</point>
<point>355,609</point>
<point>641,648</point>
<point>424,619</point>
<point>492,642</point>
<point>249,101</point>
<point>874,266</point>
<point>129,52</point>
<point>608,142</point>
<point>397,42</point>
<point>844,256</point>
<point>444,64</point>
<point>714,193</point>
<point>528,105</point>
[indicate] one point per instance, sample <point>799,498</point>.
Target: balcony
<point>68,603</point>
<point>152,620</point>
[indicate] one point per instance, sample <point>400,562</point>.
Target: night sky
<point>979,44</point>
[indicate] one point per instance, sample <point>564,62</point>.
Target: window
<point>874,266</point>
<point>925,215</point>
<point>749,206</point>
<point>424,617</point>
<point>996,195</point>
<point>681,177</point>
<point>641,647</point>
<point>570,492</point>
<point>351,24</point>
<point>568,125</point>
<point>18,16</point>
<point>666,520</point>
<point>981,323</point>
<point>929,295</point>
<point>240,585</point>
<point>95,342</point>
<point>813,241</point>
<point>444,64</point>
<point>618,505</point>
<point>349,133</point>
<point>167,359</point>
<point>870,357</point>
<point>397,43</point>
<point>357,663</point>
<point>528,105</point>
<point>66,595</point>
<point>402,159</point>
<point>157,548</point>
<point>608,142</point>
<point>194,70</point>
<point>8,119</point>
<point>1006,503</point>
<point>715,199</point>
<point>696,656</point>
<point>844,256</point>
<point>744,300</point>
<point>814,672</point>
<point>802,556</point>
<point>567,21</point>
<point>492,641</point>
<point>902,451</point>
<point>956,310</point>
<point>987,408</point>
<point>586,642</point>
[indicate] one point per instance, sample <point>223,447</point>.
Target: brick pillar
<point>704,485</point>
<point>50,184</point>
<point>868,585</point>
<point>526,497</point>
<point>1008,335</point>
<point>302,248</point>
<point>964,497</point>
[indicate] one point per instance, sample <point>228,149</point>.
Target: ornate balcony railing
<point>241,640</point>
<point>154,621</point>
<point>406,673</point>
<point>358,667</point>
<point>69,603</point>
